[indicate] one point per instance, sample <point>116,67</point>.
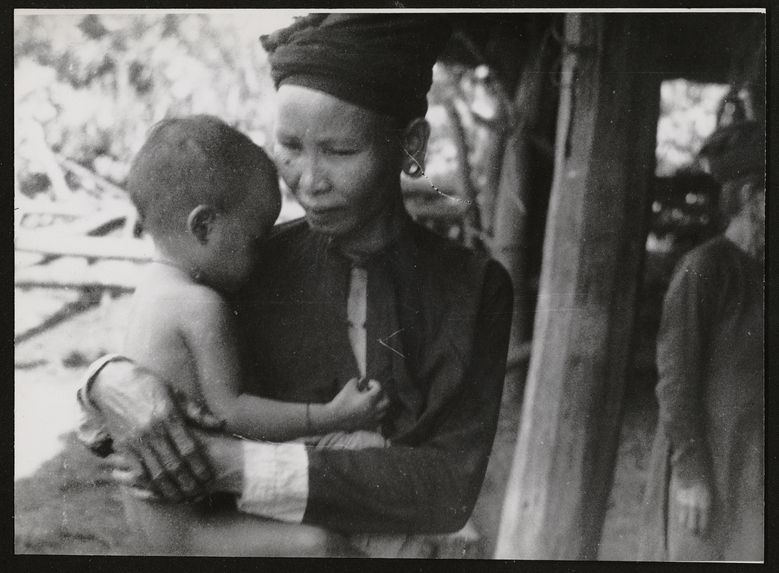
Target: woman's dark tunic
<point>437,328</point>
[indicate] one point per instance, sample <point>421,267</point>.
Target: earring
<point>413,170</point>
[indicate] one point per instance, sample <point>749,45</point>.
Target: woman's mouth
<point>321,211</point>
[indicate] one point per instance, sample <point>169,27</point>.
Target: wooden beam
<point>563,464</point>
<point>82,171</point>
<point>519,181</point>
<point>90,247</point>
<point>67,208</point>
<point>703,47</point>
<point>93,276</point>
<point>97,225</point>
<point>88,299</point>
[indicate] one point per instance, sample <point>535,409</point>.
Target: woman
<point>704,498</point>
<point>355,288</point>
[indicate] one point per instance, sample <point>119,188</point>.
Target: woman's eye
<point>340,151</point>
<point>290,145</point>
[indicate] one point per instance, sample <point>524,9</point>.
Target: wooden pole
<point>519,182</point>
<point>562,469</point>
<point>89,247</point>
<point>82,171</point>
<point>87,299</point>
<point>99,276</point>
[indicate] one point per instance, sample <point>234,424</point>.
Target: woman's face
<point>342,162</point>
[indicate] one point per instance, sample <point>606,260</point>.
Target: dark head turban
<point>736,151</point>
<point>381,62</point>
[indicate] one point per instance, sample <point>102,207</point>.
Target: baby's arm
<point>210,335</point>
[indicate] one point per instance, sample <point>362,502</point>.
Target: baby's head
<point>207,195</point>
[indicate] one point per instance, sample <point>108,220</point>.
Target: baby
<point>208,196</point>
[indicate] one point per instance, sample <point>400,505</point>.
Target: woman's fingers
<point>190,453</point>
<point>175,464</point>
<point>127,478</point>
<point>170,458</point>
<point>158,478</point>
<point>121,461</point>
<point>127,470</point>
<point>130,478</point>
<point>144,494</point>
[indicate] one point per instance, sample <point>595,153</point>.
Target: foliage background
<point>96,83</point>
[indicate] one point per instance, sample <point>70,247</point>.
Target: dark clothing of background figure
<point>710,393</point>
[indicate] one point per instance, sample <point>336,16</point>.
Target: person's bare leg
<point>159,528</point>
<point>230,533</point>
<point>199,529</point>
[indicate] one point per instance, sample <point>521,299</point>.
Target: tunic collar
<point>400,244</point>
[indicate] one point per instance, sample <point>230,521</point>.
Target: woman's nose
<point>313,179</point>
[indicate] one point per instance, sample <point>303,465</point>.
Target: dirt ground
<point>64,502</point>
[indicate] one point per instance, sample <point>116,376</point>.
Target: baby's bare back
<point>153,337</point>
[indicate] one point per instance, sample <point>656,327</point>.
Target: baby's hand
<point>355,409</point>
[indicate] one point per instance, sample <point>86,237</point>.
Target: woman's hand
<point>225,453</point>
<point>144,420</point>
<point>356,409</point>
<point>694,502</point>
<point>128,471</point>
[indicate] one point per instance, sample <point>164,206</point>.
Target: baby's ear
<point>200,222</point>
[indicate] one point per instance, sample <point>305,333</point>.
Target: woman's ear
<point>414,143</point>
<point>200,222</point>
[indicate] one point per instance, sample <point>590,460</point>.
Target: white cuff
<point>275,481</point>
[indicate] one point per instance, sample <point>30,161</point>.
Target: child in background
<point>207,196</point>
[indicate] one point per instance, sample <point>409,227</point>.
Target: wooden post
<point>135,250</point>
<point>519,181</point>
<point>604,158</point>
